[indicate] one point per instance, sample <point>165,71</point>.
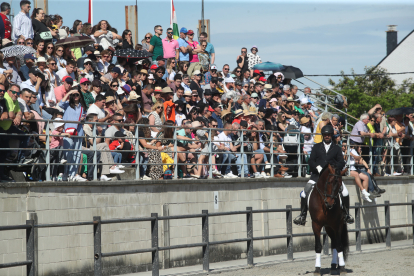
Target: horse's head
<point>331,179</point>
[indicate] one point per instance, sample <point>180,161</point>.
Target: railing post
<point>205,237</point>
<point>412,216</point>
<point>210,159</point>
<point>348,154</point>
<point>392,156</point>
<point>358,226</point>
<point>137,156</point>
<point>325,242</point>
<point>370,155</point>
<point>387,224</point>
<point>175,155</point>
<point>30,248</point>
<point>154,243</point>
<point>97,246</point>
<point>249,221</point>
<point>47,151</point>
<point>272,169</point>
<point>299,158</point>
<point>411,159</point>
<point>95,161</point>
<point>346,119</point>
<point>241,155</point>
<point>289,232</point>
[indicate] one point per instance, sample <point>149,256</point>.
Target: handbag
<point>46,35</point>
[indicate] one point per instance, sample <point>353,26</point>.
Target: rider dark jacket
<point>319,157</point>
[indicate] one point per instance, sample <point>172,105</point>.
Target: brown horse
<point>325,211</point>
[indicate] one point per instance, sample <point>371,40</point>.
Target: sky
<point>319,37</point>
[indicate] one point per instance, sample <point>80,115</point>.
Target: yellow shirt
<point>318,137</point>
<point>11,106</point>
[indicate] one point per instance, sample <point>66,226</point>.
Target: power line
<point>352,75</point>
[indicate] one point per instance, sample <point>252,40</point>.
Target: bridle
<point>334,195</point>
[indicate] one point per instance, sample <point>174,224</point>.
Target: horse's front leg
<point>318,247</point>
<point>340,248</point>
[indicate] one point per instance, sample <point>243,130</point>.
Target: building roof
<point>401,59</point>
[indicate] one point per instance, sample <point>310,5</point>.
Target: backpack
<point>339,101</point>
<point>168,174</point>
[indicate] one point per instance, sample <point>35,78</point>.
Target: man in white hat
<point>229,84</point>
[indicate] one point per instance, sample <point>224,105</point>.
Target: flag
<point>90,13</point>
<point>173,22</point>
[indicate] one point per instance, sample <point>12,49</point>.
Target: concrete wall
<point>69,250</point>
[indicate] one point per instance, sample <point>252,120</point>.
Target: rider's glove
<point>319,168</point>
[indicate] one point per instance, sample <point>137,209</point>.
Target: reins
<point>324,195</point>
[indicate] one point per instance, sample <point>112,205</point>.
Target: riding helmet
<point>328,129</point>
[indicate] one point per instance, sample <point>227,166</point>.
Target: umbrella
<point>17,51</point>
<point>131,53</point>
<point>291,72</point>
<point>400,111</point>
<point>75,41</point>
<point>268,66</point>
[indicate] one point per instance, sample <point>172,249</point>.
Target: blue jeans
<point>117,156</point>
<point>376,158</point>
<point>227,157</point>
<point>239,163</point>
<point>143,161</point>
<point>370,185</point>
<point>72,156</point>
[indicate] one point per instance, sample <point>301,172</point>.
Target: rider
<point>322,154</point>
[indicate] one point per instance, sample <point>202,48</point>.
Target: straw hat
<point>252,111</point>
<point>167,89</point>
<point>133,96</point>
<point>224,113</point>
<point>110,99</point>
<point>238,112</point>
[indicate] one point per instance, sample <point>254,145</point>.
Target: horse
<point>325,211</point>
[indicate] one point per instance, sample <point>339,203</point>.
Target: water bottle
<point>60,177</point>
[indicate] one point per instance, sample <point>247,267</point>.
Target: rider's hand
<point>319,168</point>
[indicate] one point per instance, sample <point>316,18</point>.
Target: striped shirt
<point>22,25</point>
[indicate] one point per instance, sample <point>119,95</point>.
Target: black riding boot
<point>301,219</point>
<point>376,188</point>
<point>345,206</point>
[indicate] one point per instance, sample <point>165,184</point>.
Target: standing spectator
<point>170,46</point>
<point>156,44</point>
<point>185,48</point>
<point>243,60</point>
<point>104,62</point>
<point>195,85</point>
<point>146,42</point>
<point>361,129</point>
<point>5,11</point>
<point>22,25</point>
<point>104,36</point>
<point>209,49</point>
<point>253,58</point>
<point>195,49</point>
<point>127,40</point>
<point>41,31</point>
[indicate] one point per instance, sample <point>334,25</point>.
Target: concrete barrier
<point>69,250</point>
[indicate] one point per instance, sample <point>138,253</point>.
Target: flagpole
<point>171,14</point>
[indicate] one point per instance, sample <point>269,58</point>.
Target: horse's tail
<point>345,241</point>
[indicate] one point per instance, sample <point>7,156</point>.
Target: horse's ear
<point>344,171</point>
<point>331,168</point>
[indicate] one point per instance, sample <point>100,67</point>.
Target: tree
<point>363,92</point>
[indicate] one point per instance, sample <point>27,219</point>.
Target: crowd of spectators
<point>178,85</point>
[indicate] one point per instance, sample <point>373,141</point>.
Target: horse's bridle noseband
<point>324,195</point>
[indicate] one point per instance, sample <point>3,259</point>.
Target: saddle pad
<point>340,199</point>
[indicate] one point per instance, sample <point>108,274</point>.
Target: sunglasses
<point>2,91</point>
<point>190,34</point>
<point>147,37</point>
<point>14,92</point>
<point>120,120</point>
<point>226,69</point>
<point>86,83</point>
<point>29,43</point>
<point>53,64</point>
<point>159,107</point>
<point>50,47</point>
<point>90,64</point>
<point>105,56</point>
<point>59,51</point>
<point>214,125</point>
<point>279,77</point>
<point>169,32</point>
<point>76,94</point>
<point>20,43</point>
<point>244,52</point>
<point>114,85</point>
<point>238,71</point>
<point>110,103</point>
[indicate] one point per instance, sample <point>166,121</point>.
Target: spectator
<point>226,71</point>
<point>361,129</point>
<point>104,35</point>
<point>5,11</point>
<point>104,62</point>
<point>156,44</point>
<point>22,25</point>
<point>156,118</point>
<point>195,85</point>
<point>325,119</point>
<point>146,42</point>
<point>183,67</point>
<point>127,40</point>
<point>217,114</point>
<point>122,145</point>
<point>56,146</point>
<point>14,77</point>
<point>195,49</point>
<point>243,60</point>
<point>67,71</point>
<point>185,48</point>
<point>24,102</point>
<point>186,83</point>
<point>177,88</point>
<point>170,46</point>
<point>29,60</point>
<point>209,48</point>
<point>40,30</point>
<point>224,139</point>
<point>253,58</point>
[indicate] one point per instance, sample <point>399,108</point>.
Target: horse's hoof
<point>333,269</point>
<point>342,270</point>
<point>317,271</point>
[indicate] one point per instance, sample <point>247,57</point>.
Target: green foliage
<point>363,92</point>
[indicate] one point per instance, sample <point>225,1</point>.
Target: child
<point>56,142</point>
<point>120,143</point>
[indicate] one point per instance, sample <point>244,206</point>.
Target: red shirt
<point>7,26</point>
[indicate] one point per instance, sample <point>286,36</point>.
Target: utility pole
<point>203,26</point>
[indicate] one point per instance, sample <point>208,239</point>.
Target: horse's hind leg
<point>318,247</point>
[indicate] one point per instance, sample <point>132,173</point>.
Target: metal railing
<point>205,240</point>
<point>273,142</point>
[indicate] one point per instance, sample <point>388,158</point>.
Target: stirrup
<point>348,218</point>
<point>300,220</point>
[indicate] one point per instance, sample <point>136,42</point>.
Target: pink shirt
<point>60,92</point>
<point>193,58</point>
<point>56,141</point>
<point>169,47</point>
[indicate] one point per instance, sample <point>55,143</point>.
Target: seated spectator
<point>24,102</point>
<point>361,179</point>
<point>121,144</point>
<point>156,118</point>
<point>67,71</point>
<point>117,119</point>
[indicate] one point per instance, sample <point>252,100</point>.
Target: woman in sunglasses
<point>50,49</point>
<point>156,118</point>
<point>127,40</point>
<point>20,41</point>
<point>29,42</point>
<point>58,55</point>
<point>238,73</point>
<point>74,110</point>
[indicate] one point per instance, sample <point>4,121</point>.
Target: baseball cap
<point>58,124</point>
<point>210,109</point>
<point>119,134</point>
<point>214,79</point>
<point>183,30</point>
<point>84,80</point>
<point>262,79</point>
<point>272,100</point>
<point>126,88</point>
<point>153,67</point>
<point>97,53</point>
<point>33,71</point>
<point>150,77</point>
<point>208,92</point>
<point>87,60</point>
<point>229,79</point>
<point>190,32</point>
<point>68,80</point>
<point>116,70</point>
<point>304,101</point>
<point>262,109</point>
<point>196,72</point>
<point>254,95</point>
<point>29,56</point>
<point>213,67</point>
